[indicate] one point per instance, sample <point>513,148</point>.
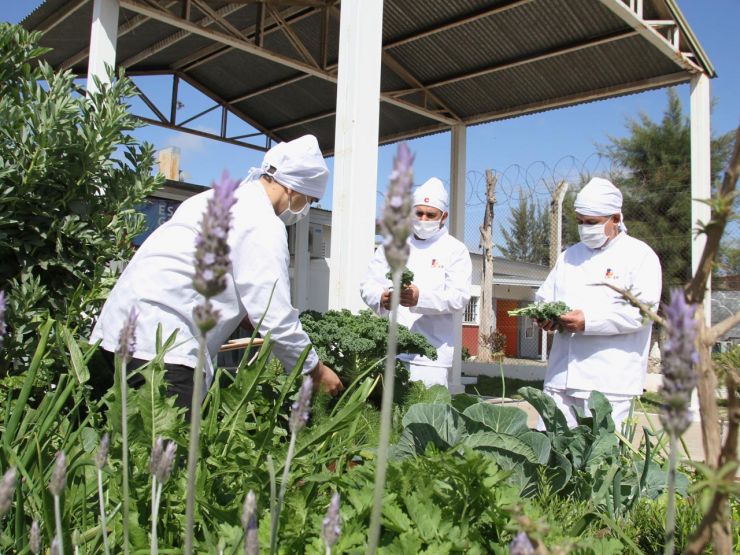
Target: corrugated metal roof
<point>452,60</point>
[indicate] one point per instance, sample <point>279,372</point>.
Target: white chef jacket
<point>442,272</point>
<point>158,283</point>
<point>610,355</point>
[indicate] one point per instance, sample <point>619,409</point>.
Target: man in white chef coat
<point>602,344</point>
<point>158,280</point>
<point>440,289</point>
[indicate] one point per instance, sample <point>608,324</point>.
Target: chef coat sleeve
<point>260,262</point>
<point>375,282</point>
<point>455,294</point>
<point>622,317</point>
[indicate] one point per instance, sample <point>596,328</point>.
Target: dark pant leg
<point>178,378</point>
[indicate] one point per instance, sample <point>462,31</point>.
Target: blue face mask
<point>290,216</point>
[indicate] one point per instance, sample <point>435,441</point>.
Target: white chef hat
<point>600,198</point>
<point>432,193</point>
<point>298,165</point>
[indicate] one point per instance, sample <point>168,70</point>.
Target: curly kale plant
<point>350,343</point>
<point>407,277</point>
<point>542,311</point>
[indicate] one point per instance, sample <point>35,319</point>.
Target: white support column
<point>355,150</point>
<point>103,36</point>
<point>701,172</point>
<point>458,148</point>
<point>701,178</point>
<point>302,265</point>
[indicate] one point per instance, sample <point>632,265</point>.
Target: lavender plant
<point>249,525</point>
<point>679,379</point>
<point>396,227</point>
<point>2,317</point>
<point>521,545</point>
<point>101,460</point>
<point>7,490</point>
<point>332,525</point>
<point>56,487</point>
<point>212,264</point>
<point>160,466</point>
<point>34,538</point>
<point>300,411</point>
<point>124,352</point>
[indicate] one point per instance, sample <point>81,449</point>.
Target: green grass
<point>488,386</point>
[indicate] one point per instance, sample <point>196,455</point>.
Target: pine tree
<point>655,179</point>
<point>528,237</point>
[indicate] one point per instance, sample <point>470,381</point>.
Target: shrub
<point>70,177</point>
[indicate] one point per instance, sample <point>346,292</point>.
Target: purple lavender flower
<point>211,249</point>
<point>166,462</point>
<point>205,316</point>
<point>521,545</point>
<point>127,337</point>
<point>396,222</point>
<point>58,474</point>
<point>249,523</point>
<point>7,490</point>
<point>156,455</point>
<point>332,525</point>
<point>34,539</point>
<point>302,406</point>
<point>102,456</point>
<point>679,358</point>
<point>2,317</point>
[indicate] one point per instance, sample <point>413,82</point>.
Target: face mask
<point>593,236</point>
<point>425,229</point>
<point>290,217</point>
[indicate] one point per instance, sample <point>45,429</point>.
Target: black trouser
<point>178,377</point>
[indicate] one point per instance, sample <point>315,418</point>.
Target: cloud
<point>189,143</point>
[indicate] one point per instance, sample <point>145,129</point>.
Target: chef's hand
<point>547,325</point>
<point>385,299</point>
<point>409,296</point>
<point>573,321</point>
<point>325,379</point>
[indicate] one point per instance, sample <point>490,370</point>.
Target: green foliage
<point>407,277</point>
<point>528,236</point>
<point>655,179</point>
<point>542,311</point>
<point>646,525</point>
<point>70,176</point>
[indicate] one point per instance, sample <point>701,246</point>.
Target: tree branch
<point>721,328</point>
<point>634,301</point>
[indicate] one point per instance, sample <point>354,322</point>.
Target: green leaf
<point>552,417</point>
<point>79,366</point>
<point>502,443</point>
<point>498,418</point>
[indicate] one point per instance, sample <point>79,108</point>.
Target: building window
<point>470,316</point>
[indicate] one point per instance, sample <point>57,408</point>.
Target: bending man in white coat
<point>441,287</point>
<point>603,342</point>
<point>158,282</point>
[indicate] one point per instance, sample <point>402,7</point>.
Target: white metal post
<point>301,265</point>
<point>701,172</point>
<point>355,150</point>
<point>701,177</point>
<point>103,36</point>
<point>458,148</point>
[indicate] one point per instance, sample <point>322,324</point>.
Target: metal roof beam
<point>250,48</point>
<point>176,37</point>
<point>60,15</point>
<point>665,46</point>
<point>268,88</point>
<point>457,23</point>
<point>123,29</point>
<point>168,125</point>
<point>303,121</point>
<point>552,53</point>
<point>294,40</point>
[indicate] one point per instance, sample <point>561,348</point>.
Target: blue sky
<point>524,150</point>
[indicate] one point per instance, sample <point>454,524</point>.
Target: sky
<point>526,152</point>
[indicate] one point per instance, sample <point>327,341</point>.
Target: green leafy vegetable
<point>406,277</point>
<point>542,311</point>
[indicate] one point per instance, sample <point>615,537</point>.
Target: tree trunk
<point>487,316</point>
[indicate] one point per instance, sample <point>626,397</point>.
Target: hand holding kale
<point>542,311</point>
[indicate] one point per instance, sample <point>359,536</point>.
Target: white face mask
<point>290,217</point>
<point>426,228</point>
<point>593,236</point>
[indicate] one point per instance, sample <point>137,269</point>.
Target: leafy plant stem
<point>195,417</point>
<point>103,520</point>
<point>273,494</point>
<point>670,511</point>
<point>275,522</point>
<point>58,521</point>
<point>124,453</point>
<point>385,419</point>
<point>156,497</point>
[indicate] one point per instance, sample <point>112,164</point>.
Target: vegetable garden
<point>265,466</point>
